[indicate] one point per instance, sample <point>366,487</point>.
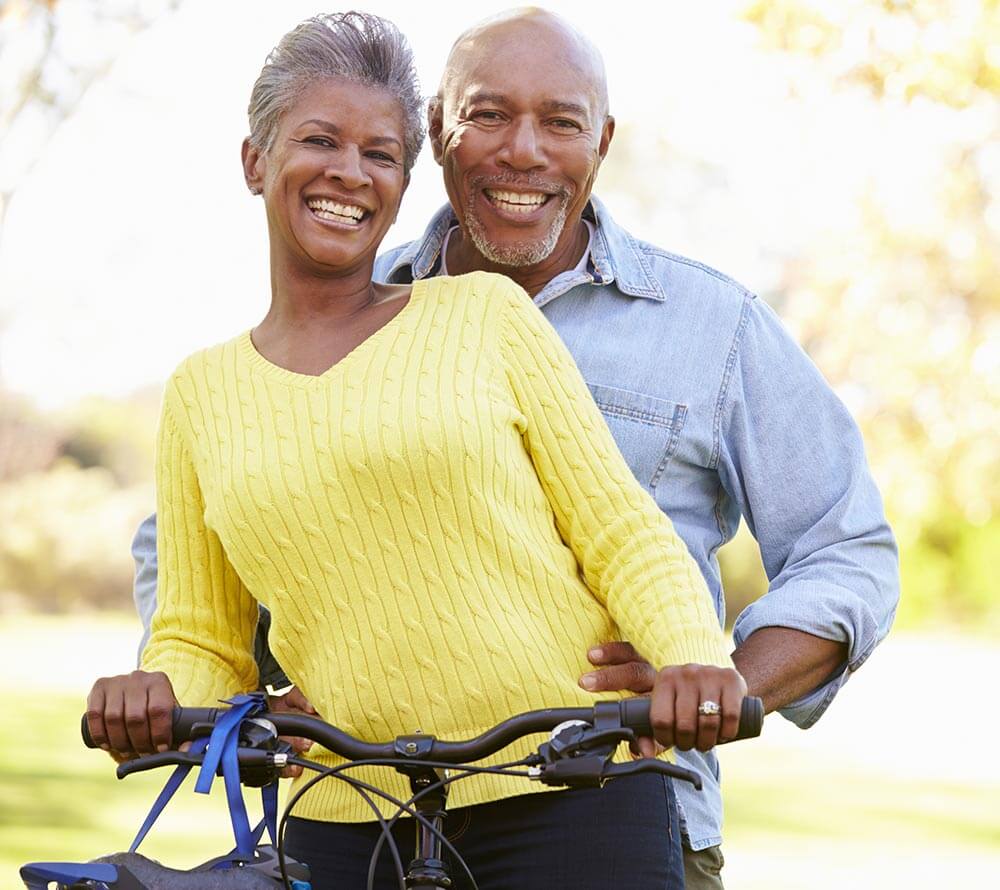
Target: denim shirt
<point>719,414</point>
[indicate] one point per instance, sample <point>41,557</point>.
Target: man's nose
<point>523,149</point>
<point>346,166</point>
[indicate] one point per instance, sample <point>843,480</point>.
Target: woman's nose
<point>348,168</point>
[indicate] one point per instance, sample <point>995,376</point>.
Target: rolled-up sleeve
<point>792,458</point>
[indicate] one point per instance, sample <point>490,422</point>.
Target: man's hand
<point>131,714</point>
<point>621,667</point>
<point>297,703</point>
<point>677,693</point>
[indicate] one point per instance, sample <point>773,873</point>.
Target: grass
<point>851,803</point>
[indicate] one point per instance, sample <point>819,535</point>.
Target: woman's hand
<point>131,714</point>
<point>683,696</point>
<point>294,702</point>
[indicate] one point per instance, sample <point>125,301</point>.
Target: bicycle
<point>243,744</point>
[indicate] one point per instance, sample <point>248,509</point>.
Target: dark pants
<point>624,835</point>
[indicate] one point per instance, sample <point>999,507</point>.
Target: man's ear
<point>607,134</point>
<point>435,127</point>
<point>253,172</point>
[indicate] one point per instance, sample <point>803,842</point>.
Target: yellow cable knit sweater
<point>441,524</point>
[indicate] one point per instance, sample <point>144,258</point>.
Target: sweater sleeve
<point>203,627</point>
<point>629,554</point>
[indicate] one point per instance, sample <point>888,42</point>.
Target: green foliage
<point>949,575</point>
<point>118,435</point>
<point>901,313</point>
<point>66,536</point>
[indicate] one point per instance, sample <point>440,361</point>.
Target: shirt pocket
<point>646,428</point>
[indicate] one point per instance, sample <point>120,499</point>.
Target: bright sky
<point>134,242</point>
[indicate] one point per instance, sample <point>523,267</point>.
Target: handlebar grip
<point>635,714</point>
<point>184,722</point>
<point>85,732</point>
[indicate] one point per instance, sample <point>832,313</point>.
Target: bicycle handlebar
<point>190,723</point>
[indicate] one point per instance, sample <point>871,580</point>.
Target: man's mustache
<point>516,181</point>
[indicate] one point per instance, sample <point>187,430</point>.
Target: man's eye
<point>488,116</point>
<point>563,123</point>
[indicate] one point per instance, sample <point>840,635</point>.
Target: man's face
<point>520,132</point>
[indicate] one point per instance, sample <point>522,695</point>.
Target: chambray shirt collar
<point>615,257</point>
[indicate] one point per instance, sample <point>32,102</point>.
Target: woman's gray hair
<point>355,46</point>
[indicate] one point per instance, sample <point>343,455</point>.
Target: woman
<point>417,484</point>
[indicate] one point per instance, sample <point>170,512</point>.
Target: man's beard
<point>518,253</point>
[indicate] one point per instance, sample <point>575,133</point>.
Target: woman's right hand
<point>131,714</point>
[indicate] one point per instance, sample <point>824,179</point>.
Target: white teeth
<point>326,209</point>
<point>523,201</point>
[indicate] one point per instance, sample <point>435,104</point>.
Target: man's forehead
<point>496,55</point>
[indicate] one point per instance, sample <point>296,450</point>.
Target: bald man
<point>718,412</point>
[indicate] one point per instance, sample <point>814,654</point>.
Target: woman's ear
<point>253,167</point>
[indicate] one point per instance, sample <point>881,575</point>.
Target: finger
<point>160,709</point>
<point>299,744</point>
<point>295,699</point>
<point>686,708</point>
<point>118,757</point>
<point>634,676</point>
<point>662,709</point>
<point>137,714</point>
<point>292,771</point>
<point>708,724</point>
<point>95,715</point>
<point>613,653</point>
<point>114,717</point>
<point>648,747</point>
<point>732,703</point>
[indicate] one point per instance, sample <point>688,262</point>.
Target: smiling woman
<point>417,484</point>
<point>332,179</point>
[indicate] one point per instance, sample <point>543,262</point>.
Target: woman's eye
<point>319,140</point>
<point>488,116</point>
<point>381,156</point>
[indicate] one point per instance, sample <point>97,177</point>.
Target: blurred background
<point>842,159</point>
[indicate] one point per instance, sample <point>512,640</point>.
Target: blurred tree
<point>54,559</point>
<point>902,314</point>
<point>117,434</point>
<point>51,53</point>
<point>28,442</point>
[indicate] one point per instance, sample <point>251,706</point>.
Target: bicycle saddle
<point>133,871</point>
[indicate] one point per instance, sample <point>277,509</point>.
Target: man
<point>719,414</point>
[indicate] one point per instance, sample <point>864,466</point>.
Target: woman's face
<point>333,178</point>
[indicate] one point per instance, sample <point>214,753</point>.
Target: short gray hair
<point>355,46</point>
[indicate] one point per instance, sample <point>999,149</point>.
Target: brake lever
<point>651,765</point>
<point>248,757</point>
<point>155,761</point>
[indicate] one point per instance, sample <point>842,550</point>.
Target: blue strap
<point>269,799</point>
<point>222,750</point>
<point>269,821</point>
<point>173,783</point>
